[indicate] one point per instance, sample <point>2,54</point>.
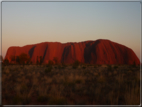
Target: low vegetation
<point>70,84</point>
<point>75,64</point>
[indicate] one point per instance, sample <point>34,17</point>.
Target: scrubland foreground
<point>70,85</point>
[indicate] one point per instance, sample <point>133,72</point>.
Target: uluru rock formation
<point>94,52</point>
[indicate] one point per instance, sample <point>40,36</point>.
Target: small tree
<point>37,62</point>
<point>56,60</point>
<point>17,60</point>
<point>6,61</point>
<point>13,58</point>
<point>31,62</point>
<point>50,62</point>
<point>28,61</point>
<point>76,64</point>
<point>24,58</point>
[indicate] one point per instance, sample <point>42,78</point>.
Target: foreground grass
<point>66,85</point>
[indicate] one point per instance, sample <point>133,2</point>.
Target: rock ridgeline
<point>93,52</point>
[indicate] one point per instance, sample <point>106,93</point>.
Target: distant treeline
<point>25,59</point>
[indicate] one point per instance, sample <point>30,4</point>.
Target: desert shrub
<point>24,58</point>
<point>101,78</point>
<point>50,62</point>
<point>134,64</point>
<point>115,67</point>
<point>47,70</point>
<point>17,59</point>
<point>6,71</point>
<point>74,67</point>
<point>62,63</point>
<point>61,67</point>
<point>13,58</point>
<point>17,99</point>
<point>95,66</point>
<point>96,73</point>
<point>57,101</point>
<point>88,65</point>
<point>56,60</point>
<point>42,98</point>
<point>76,64</point>
<point>55,67</point>
<point>78,81</point>
<point>28,62</point>
<point>84,67</point>
<point>31,62</point>
<point>26,101</point>
<point>69,84</point>
<point>109,68</point>
<point>24,89</point>
<point>6,62</point>
<point>37,60</point>
<point>47,65</point>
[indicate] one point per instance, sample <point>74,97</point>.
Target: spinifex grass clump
<point>47,85</point>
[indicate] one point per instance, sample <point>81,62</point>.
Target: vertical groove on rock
<point>31,51</point>
<point>45,53</point>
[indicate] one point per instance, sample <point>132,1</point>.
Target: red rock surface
<point>94,52</point>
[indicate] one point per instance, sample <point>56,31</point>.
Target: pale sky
<point>26,23</point>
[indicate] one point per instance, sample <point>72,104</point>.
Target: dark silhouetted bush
<point>50,62</point>
<point>76,64</point>
<point>17,59</point>
<point>109,68</point>
<point>37,61</point>
<point>13,58</point>
<point>84,67</point>
<point>42,98</point>
<point>6,62</point>
<point>56,60</point>
<point>24,58</point>
<point>47,70</point>
<point>115,67</point>
<point>134,64</point>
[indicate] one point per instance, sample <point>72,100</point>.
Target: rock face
<point>93,52</point>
